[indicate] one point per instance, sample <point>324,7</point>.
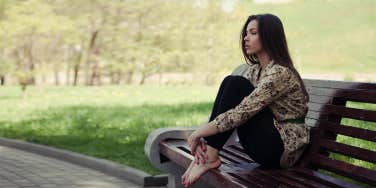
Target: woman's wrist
<point>195,135</point>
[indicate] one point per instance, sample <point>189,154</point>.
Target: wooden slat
<point>316,115</point>
<point>309,182</point>
<point>322,178</point>
<point>264,178</point>
<point>345,169</point>
<point>360,114</point>
<point>358,95</point>
<point>312,122</point>
<point>355,152</point>
<point>255,180</point>
<point>319,99</point>
<point>319,111</point>
<point>338,84</point>
<point>283,180</point>
<point>228,157</point>
<point>244,157</point>
<point>354,132</point>
<point>224,160</point>
<point>277,181</point>
<point>237,147</point>
<point>315,107</point>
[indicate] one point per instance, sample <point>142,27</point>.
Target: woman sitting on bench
<point>266,105</point>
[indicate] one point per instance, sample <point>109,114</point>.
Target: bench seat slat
<point>251,181</point>
<point>224,159</point>
<point>349,170</point>
<point>322,178</point>
<point>271,178</point>
<point>272,174</point>
<point>256,180</point>
<point>228,158</point>
<point>233,158</point>
<point>244,157</point>
<point>309,182</point>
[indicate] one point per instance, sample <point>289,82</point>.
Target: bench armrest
<point>154,138</point>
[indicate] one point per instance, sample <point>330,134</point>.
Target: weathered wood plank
<point>345,169</point>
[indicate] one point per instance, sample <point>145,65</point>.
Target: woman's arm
<point>205,130</point>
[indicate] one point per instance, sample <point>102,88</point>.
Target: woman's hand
<point>193,142</point>
<point>201,156</point>
<point>194,139</point>
<point>198,148</point>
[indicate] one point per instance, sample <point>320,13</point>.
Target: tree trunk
<point>90,51</point>
<point>95,76</point>
<point>67,74</point>
<point>31,65</point>
<point>115,77</point>
<point>57,80</point>
<point>75,75</point>
<point>2,80</point>
<point>160,78</point>
<point>119,76</point>
<point>143,78</point>
<point>112,77</point>
<point>128,77</point>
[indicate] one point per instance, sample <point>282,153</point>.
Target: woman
<point>266,105</point>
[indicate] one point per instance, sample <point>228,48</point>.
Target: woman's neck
<point>264,59</point>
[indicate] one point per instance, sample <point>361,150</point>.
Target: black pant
<point>258,136</point>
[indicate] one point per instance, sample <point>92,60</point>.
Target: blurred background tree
<point>95,42</point>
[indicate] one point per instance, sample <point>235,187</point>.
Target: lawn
<point>107,122</point>
<point>113,122</point>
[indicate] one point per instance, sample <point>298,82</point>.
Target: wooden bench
<point>317,167</point>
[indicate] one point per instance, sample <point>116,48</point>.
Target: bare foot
<point>187,172</point>
<point>198,170</point>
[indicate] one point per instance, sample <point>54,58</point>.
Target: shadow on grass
<point>117,133</point>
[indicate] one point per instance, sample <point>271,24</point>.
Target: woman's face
<point>252,42</point>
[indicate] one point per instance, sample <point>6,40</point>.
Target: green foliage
<point>162,36</point>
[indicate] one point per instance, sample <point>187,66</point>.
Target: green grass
<point>106,122</point>
<point>112,122</point>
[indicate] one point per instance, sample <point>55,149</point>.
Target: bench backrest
<point>344,117</point>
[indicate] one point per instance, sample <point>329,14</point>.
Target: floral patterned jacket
<point>278,88</point>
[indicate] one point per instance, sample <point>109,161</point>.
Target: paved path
<point>20,169</point>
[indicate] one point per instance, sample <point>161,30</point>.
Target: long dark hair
<point>273,40</point>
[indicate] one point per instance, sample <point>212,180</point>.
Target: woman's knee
<point>239,85</point>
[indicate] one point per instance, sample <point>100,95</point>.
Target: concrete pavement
<point>21,169</point>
